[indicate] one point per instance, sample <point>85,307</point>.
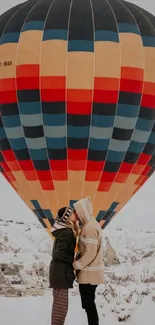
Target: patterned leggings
<point>60,306</point>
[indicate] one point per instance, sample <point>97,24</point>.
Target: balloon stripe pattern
<point>77,103</point>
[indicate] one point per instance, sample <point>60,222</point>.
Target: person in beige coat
<point>89,264</point>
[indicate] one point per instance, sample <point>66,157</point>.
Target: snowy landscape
<point>127,296</point>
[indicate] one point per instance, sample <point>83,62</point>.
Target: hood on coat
<point>84,209</point>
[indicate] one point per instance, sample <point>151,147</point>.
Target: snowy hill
<point>25,253</point>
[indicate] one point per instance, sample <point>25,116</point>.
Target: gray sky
<point>139,212</point>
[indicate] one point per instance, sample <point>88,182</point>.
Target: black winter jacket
<point>61,273</point>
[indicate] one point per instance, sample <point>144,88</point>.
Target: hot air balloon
<point>77,103</point>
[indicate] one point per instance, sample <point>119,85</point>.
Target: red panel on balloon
<point>59,175</point>
<point>149,88</point>
<point>105,96</point>
<point>108,177</point>
<point>146,170</point>
<point>54,95</point>
<point>79,95</point>
<point>26,83</point>
<point>5,166</point>
<point>76,165</point>
<point>9,155</point>
<point>28,70</point>
<point>82,109</point>
<point>121,178</point>
<point>8,97</point>
<point>95,165</point>
<point>53,82</point>
<point>126,168</point>
<point>92,176</point>
<point>58,165</point>
<point>104,187</point>
<point>133,86</point>
<point>148,101</point>
<point>7,84</point>
<point>138,169</point>
<point>30,175</point>
<point>144,159</point>
<point>44,175</point>
<point>13,165</point>
<point>132,73</point>
<point>26,164</point>
<point>47,185</point>
<point>77,154</point>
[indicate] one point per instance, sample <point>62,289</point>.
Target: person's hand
<point>74,265</point>
<point>78,255</point>
<point>76,272</point>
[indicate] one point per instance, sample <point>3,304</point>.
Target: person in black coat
<point>61,272</point>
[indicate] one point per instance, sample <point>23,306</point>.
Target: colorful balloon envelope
<point>77,103</point>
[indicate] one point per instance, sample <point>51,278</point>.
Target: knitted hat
<point>63,214</point>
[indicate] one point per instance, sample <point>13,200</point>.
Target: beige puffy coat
<point>90,266</point>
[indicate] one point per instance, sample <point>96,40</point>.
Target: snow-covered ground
<point>129,290</point>
<point>30,310</point>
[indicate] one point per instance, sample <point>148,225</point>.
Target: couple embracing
<point>86,266</point>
